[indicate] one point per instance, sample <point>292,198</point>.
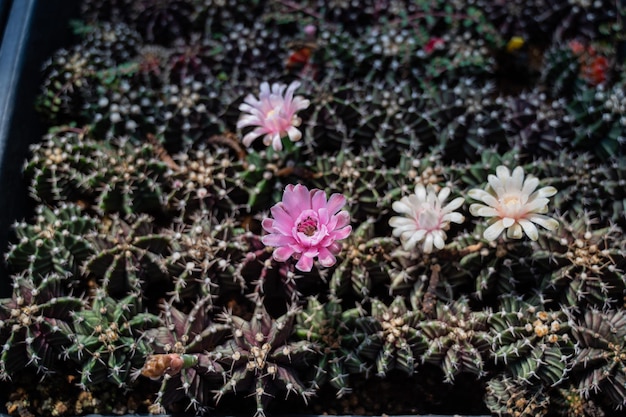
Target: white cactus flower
<point>425,218</point>
<point>513,204</point>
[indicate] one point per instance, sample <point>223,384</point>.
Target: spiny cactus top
<point>306,225</point>
<point>424,217</point>
<point>513,204</point>
<point>273,114</point>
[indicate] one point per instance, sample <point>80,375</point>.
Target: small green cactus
<point>129,256</point>
<point>363,264</point>
<point>601,359</point>
<point>392,338</point>
<point>206,258</point>
<point>35,325</point>
<point>58,241</point>
<point>508,396</point>
<point>359,178</point>
<point>335,334</point>
<point>107,340</point>
<point>585,263</point>
<point>205,177</point>
<point>534,345</point>
<point>58,169</point>
<point>457,339</point>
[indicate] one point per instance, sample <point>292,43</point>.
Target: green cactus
<point>129,256</point>
<point>468,118</point>
<point>534,121</point>
<point>534,345</point>
<point>601,358</point>
<point>71,75</point>
<point>599,119</point>
<point>188,112</point>
<point>561,70</point>
<point>392,338</point>
<point>205,177</point>
<point>583,263</point>
<point>35,325</point>
<point>508,396</point>
<point>108,342</point>
<point>457,339</point>
<point>359,177</point>
<point>128,178</point>
<point>363,263</point>
<point>334,332</point>
<point>58,241</point>
<point>58,168</point>
<point>206,258</point>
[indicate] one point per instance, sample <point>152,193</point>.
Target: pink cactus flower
<point>305,225</point>
<point>273,114</point>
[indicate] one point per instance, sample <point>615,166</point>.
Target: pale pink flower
<point>273,115</point>
<point>513,204</point>
<point>305,226</point>
<point>425,218</point>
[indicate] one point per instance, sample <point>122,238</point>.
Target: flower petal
<point>493,231</point>
<point>529,228</point>
<point>283,253</point>
<point>305,263</point>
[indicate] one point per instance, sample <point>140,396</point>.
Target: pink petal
<point>326,258</point>
<point>305,264</point>
<point>335,203</point>
<point>318,200</point>
<point>283,253</point>
<point>341,219</point>
<point>297,200</point>
<point>275,239</point>
<point>283,221</point>
<point>268,225</point>
<point>340,234</point>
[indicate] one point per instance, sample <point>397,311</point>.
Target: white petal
<point>484,196</point>
<point>454,204</point>
<point>484,211</point>
<point>428,243</point>
<point>546,192</point>
<point>517,178</point>
<point>515,231</point>
<point>420,192</point>
<point>439,241</point>
<point>443,194</point>
<point>294,134</point>
<point>493,231</point>
<point>410,243</point>
<point>529,229</point>
<point>403,206</point>
<point>503,172</point>
<point>529,185</point>
<point>543,221</point>
<point>508,221</point>
<point>454,218</point>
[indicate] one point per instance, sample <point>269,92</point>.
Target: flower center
<point>308,226</point>
<point>429,219</point>
<point>511,201</point>
<point>511,206</point>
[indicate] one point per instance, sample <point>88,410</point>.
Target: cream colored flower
<point>425,218</point>
<point>513,204</point>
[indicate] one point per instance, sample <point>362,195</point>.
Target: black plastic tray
<point>33,30</point>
